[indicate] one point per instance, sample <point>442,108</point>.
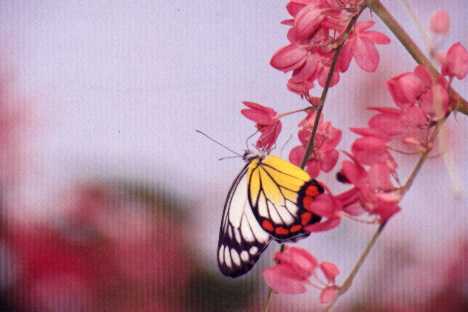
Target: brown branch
<point>461,104</point>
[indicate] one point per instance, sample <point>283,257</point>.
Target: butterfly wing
<point>241,238</point>
<point>278,193</point>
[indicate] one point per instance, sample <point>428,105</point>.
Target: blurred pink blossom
<point>440,22</point>
<point>455,63</point>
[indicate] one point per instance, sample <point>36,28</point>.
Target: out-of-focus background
<point>111,202</point>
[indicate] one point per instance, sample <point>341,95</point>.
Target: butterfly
<point>266,202</point>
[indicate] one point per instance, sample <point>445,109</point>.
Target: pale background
<point>119,87</point>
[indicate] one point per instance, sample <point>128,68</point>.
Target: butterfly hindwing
<point>241,238</point>
<point>278,193</point>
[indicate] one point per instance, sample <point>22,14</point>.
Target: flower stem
<point>323,97</point>
<point>294,112</point>
<point>413,49</point>
<point>310,143</point>
<point>424,156</point>
<point>268,300</point>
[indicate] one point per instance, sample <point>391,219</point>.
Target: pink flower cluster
<point>296,268</point>
<point>421,99</point>
<point>317,28</point>
<point>324,155</point>
<point>88,259</point>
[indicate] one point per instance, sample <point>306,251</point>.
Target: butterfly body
<point>266,202</point>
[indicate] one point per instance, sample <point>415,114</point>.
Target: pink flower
<point>361,47</point>
<point>296,268</point>
<point>409,126</point>
<point>327,207</point>
<point>330,271</point>
<point>307,64</point>
<point>418,88</point>
<point>302,262</point>
<point>324,155</point>
<point>406,88</point>
<point>315,28</point>
<point>283,279</point>
<point>440,22</point>
<point>328,294</point>
<point>295,6</point>
<point>267,123</point>
<point>421,102</point>
<point>289,57</point>
<point>298,86</point>
<point>370,150</point>
<point>308,19</point>
<point>373,189</point>
<point>455,63</point>
<point>291,273</point>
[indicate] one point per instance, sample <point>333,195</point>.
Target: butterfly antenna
<point>285,144</point>
<point>217,142</point>
<point>228,157</point>
<point>248,138</point>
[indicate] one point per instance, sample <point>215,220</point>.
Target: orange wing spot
<point>305,218</point>
<point>296,228</point>
<point>307,201</point>
<point>267,225</point>
<point>281,230</point>
<point>312,191</point>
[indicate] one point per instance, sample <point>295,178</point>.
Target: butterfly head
<point>250,154</point>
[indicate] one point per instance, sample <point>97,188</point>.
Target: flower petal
<point>289,57</point>
<point>440,22</point>
<point>366,54</point>
<point>307,20</point>
<point>330,271</point>
<point>299,260</point>
<point>282,279</point>
<point>328,295</point>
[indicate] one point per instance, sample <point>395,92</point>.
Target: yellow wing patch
<point>270,186</point>
<point>278,179</point>
<point>286,167</point>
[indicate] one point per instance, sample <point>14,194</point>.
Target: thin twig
<point>295,111</point>
<point>323,97</point>
<point>310,143</point>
